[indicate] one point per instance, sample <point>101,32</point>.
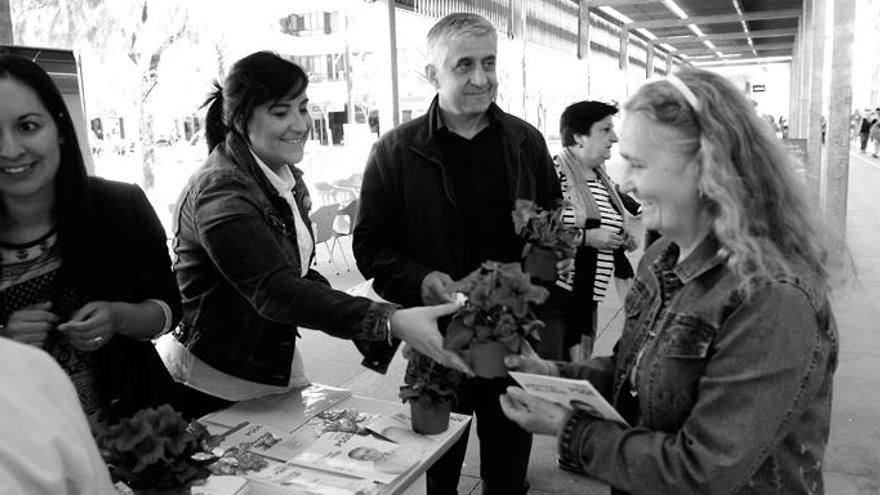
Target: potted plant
<point>156,451</point>
<point>548,239</point>
<point>496,316</point>
<point>429,387</point>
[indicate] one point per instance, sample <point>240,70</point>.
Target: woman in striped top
<point>594,206</point>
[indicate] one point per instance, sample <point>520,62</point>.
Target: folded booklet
<point>576,394</point>
<point>354,455</point>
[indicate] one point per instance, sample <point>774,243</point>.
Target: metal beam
<point>620,3</point>
<point>717,19</point>
<point>741,61</point>
<point>734,49</point>
<point>770,33</point>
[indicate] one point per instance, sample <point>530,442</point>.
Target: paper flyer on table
<point>398,429</point>
<point>287,478</point>
<point>267,441</point>
<point>286,412</point>
<point>568,392</point>
<point>361,456</point>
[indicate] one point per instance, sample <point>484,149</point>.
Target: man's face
<point>463,72</point>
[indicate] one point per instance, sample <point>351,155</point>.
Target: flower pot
<point>487,359</point>
<point>429,417</point>
<point>540,263</point>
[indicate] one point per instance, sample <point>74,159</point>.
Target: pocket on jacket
<point>688,337</point>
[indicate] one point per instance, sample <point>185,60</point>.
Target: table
<point>296,413</point>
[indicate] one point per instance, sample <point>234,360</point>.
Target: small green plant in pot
<point>548,239</point>
<point>156,451</point>
<point>496,318</point>
<point>429,387</point>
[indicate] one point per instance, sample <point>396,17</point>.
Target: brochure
<point>267,441</point>
<point>286,412</point>
<point>397,428</point>
<point>360,456</point>
<point>579,394</point>
<point>286,479</point>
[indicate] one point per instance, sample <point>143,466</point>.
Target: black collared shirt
<point>478,184</point>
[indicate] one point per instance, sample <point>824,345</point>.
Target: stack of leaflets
<point>281,478</point>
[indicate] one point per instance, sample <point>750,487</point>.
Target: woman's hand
<point>564,267</point>
<point>528,361</point>
<point>92,325</point>
<point>31,324</point>
<point>532,413</point>
<point>630,243</point>
<point>418,328</point>
<point>603,239</point>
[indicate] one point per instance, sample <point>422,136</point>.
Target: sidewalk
<point>852,461</point>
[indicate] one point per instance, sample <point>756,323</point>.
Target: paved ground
<point>852,461</point>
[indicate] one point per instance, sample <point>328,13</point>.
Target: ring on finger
<point>97,340</point>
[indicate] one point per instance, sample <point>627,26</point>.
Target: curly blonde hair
<point>759,208</point>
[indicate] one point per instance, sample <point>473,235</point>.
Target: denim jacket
<point>725,394</point>
<point>238,269</point>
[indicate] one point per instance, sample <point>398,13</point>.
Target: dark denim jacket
<point>732,395</point>
<point>238,268</point>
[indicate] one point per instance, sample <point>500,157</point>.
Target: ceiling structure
<point>712,32</point>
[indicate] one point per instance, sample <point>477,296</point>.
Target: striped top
<point>613,221</point>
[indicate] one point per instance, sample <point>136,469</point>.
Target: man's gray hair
<point>459,24</point>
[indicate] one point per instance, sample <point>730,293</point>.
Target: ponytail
<point>215,127</point>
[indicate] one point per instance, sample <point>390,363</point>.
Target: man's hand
<point>435,289</point>
<point>603,239</point>
<point>528,361</point>
<point>92,325</point>
<point>418,328</point>
<point>31,324</point>
<point>532,413</point>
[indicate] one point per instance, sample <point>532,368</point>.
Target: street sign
<point>758,88</point>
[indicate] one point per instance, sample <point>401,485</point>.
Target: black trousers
<point>504,446</point>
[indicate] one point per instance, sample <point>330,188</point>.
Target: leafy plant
<point>156,449</point>
<point>498,307</point>
<point>544,228</point>
<point>426,379</point>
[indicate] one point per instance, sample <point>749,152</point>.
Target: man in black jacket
<point>436,202</point>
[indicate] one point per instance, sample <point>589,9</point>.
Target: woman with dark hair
<point>594,206</point>
<point>244,246</point>
<point>84,268</point>
<point>725,366</point>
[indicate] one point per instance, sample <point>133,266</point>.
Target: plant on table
<point>157,450</point>
<point>548,238</point>
<point>497,316</point>
<point>429,387</point>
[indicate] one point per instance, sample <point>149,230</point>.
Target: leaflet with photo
<point>361,456</point>
<point>287,479</point>
<point>568,392</point>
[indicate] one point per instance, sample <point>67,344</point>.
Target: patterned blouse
<point>28,276</point>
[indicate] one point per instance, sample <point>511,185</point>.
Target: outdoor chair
<point>322,225</point>
<point>343,226</point>
<point>347,189</point>
<point>326,191</point>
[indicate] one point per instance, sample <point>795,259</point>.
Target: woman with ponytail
<point>725,365</point>
<point>244,245</point>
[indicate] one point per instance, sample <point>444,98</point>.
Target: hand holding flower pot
<point>548,239</point>
<point>496,317</point>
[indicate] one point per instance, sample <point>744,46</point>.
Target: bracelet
<point>388,326</point>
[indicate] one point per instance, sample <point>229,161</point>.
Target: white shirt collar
<point>283,181</point>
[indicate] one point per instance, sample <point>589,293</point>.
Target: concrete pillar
<point>388,98</point>
<point>584,38</point>
<point>517,54</point>
<point>624,58</point>
<point>836,177</point>
<point>668,63</point>
<point>6,37</point>
<point>793,80</point>
<point>814,130</point>
<point>649,61</point>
